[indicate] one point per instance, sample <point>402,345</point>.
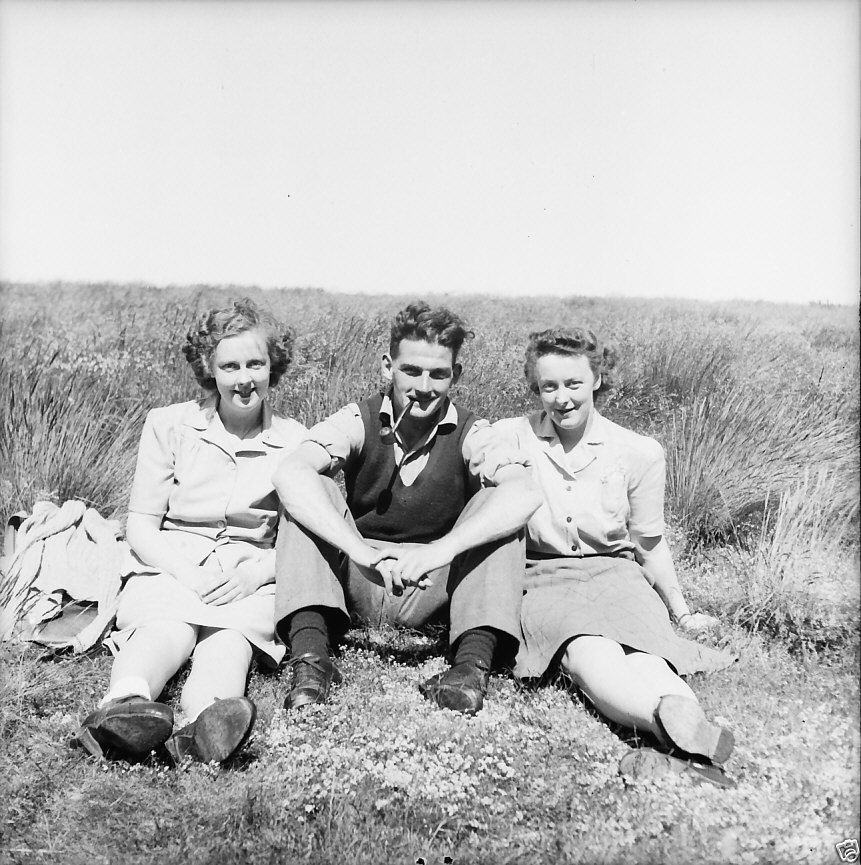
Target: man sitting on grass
<point>422,532</point>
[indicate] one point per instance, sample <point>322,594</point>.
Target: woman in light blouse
<point>600,585</point>
<point>201,530</point>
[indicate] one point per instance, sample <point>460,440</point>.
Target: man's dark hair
<point>439,325</point>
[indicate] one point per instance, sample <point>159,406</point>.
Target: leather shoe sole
<point>217,733</point>
<point>129,727</point>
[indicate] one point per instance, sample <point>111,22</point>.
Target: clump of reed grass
<point>67,434</point>
<point>796,583</point>
<point>728,453</point>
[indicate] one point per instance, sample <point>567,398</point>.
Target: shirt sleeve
<point>342,435</point>
<point>154,473</point>
<point>646,493</point>
<point>487,449</point>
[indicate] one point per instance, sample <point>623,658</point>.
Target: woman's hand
<point>201,580</point>
<point>695,623</point>
<point>234,584</point>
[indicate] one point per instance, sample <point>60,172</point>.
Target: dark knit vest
<point>385,509</point>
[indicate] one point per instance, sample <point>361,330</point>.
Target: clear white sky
<point>696,148</point>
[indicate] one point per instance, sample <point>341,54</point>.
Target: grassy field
<point>757,407</point>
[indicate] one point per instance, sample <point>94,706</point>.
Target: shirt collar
<point>448,419</point>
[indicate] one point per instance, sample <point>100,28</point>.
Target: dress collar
<point>203,416</point>
<point>595,435</point>
<point>585,453</point>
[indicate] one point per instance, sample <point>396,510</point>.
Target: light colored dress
<point>581,574</point>
<point>218,504</point>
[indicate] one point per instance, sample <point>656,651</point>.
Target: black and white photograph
<point>429,432</point>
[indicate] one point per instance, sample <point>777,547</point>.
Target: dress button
<point>574,547</point>
<point>568,519</point>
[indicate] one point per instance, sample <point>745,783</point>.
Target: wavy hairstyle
<point>439,325</point>
<point>575,342</point>
<point>214,325</point>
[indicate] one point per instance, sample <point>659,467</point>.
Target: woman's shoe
<point>686,726</point>
<point>217,733</point>
<point>646,764</point>
<point>126,727</point>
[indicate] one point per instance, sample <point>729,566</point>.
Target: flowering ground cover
<point>379,775</point>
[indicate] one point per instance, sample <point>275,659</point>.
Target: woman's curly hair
<point>439,325</point>
<point>214,325</point>
<point>576,342</point>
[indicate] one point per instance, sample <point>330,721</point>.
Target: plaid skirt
<point>602,596</point>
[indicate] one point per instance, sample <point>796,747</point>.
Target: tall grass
<point>794,579</point>
<point>749,407</point>
<point>728,453</point>
<point>66,434</point>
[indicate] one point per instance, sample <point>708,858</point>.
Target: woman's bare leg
<point>219,670</point>
<point>153,653</point>
<point>626,688</point>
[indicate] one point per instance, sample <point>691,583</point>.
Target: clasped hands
<point>402,565</point>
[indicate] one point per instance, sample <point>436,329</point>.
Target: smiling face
<point>240,366</point>
<point>422,373</point>
<point>566,387</point>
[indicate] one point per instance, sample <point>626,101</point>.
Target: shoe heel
<point>686,726</point>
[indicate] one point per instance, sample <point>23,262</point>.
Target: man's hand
<point>410,564</point>
<point>374,566</point>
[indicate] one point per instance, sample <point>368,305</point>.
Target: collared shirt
<point>211,488</point>
<point>343,437</point>
<point>609,485</point>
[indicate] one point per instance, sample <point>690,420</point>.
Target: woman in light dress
<point>201,530</point>
<point>600,585</point>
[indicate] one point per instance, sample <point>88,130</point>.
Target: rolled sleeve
<point>646,494</point>
<point>342,434</point>
<point>154,472</point>
<point>487,449</point>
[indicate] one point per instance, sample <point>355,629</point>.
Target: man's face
<point>421,373</point>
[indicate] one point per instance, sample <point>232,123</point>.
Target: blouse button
<point>568,488</point>
<point>567,519</point>
<point>574,547</point>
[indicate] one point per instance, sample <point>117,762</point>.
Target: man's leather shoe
<point>217,733</point>
<point>126,727</point>
<point>313,676</point>
<point>461,688</point>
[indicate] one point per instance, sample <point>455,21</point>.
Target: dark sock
<point>476,646</point>
<point>307,632</point>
